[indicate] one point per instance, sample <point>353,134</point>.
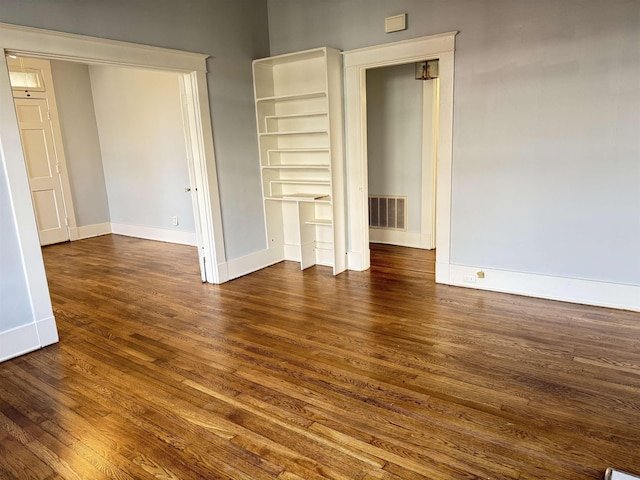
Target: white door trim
<point>25,41</point>
<point>356,62</point>
<point>430,100</point>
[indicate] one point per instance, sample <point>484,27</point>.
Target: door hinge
<point>48,114</point>
<point>66,221</point>
<point>57,168</point>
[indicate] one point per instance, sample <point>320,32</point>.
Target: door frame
<point>26,41</point>
<point>356,63</point>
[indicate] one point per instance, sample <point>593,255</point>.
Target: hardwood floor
<point>299,375</point>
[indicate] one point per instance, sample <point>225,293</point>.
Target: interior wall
<point>15,305</point>
<point>232,33</point>
<point>394,136</point>
<point>139,119</point>
<point>81,143</point>
<point>546,178</point>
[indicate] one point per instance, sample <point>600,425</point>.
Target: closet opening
<point>402,139</point>
<point>357,64</point>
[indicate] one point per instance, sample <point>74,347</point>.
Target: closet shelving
<point>298,100</point>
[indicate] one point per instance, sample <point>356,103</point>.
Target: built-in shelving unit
<point>299,116</point>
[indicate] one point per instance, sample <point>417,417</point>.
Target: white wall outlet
<point>174,220</point>
<point>469,278</point>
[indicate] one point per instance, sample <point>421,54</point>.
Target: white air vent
<point>395,23</point>
<point>388,212</point>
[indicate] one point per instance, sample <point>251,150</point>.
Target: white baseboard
<point>574,290</point>
<point>223,273</point>
<point>73,234</point>
<point>291,252</point>
<point>151,233</point>
<point>239,267</point>
<point>394,237</point>
<point>89,231</point>
<point>48,331</point>
<point>27,338</point>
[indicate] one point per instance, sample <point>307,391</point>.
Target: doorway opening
<point>402,113</point>
<point>356,63</point>
<point>126,133</point>
<point>31,42</point>
<point>109,139</point>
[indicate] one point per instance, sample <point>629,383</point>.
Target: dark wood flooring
<point>299,375</point>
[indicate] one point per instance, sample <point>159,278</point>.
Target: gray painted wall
<point>546,150</point>
<point>233,32</point>
<point>81,143</point>
<point>394,136</point>
<point>144,154</point>
<point>15,305</point>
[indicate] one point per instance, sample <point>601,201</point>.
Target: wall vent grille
<point>388,212</point>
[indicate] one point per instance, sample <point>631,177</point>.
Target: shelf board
<point>301,197</point>
<point>299,150</point>
<point>296,115</point>
<point>291,57</point>
<point>293,96</point>
<point>295,132</point>
<point>317,166</point>
<point>319,221</point>
<point>301,182</point>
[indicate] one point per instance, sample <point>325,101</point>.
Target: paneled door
<point>43,169</point>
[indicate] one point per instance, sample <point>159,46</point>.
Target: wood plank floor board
<point>295,374</point>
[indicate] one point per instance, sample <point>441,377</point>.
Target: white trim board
<point>253,262</point>
<point>88,231</point>
<point>403,239</point>
<point>27,338</point>
<point>574,290</point>
<point>152,233</point>
<point>80,48</point>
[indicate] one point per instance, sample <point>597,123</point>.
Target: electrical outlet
<point>174,220</point>
<point>469,278</point>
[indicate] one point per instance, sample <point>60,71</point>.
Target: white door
<point>43,169</point>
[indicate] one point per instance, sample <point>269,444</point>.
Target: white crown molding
<point>72,47</point>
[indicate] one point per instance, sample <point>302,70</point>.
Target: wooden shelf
<point>294,96</point>
<point>296,132</point>
<point>297,167</point>
<point>301,182</point>
<point>301,197</point>
<point>292,57</point>
<point>296,115</point>
<point>319,221</point>
<point>297,150</point>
